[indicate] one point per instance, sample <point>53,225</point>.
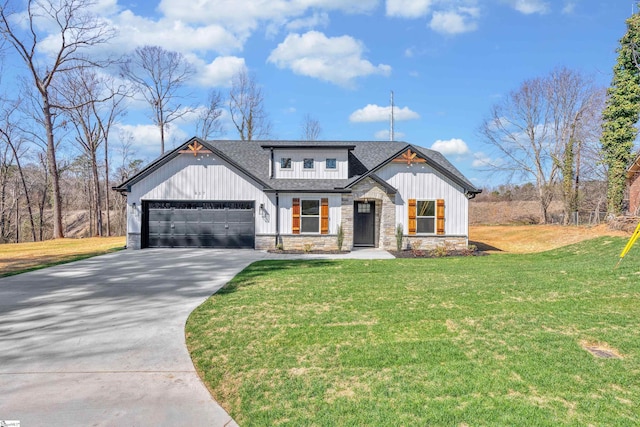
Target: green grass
<point>457,341</point>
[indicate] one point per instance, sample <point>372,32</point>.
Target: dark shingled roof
<point>365,158</point>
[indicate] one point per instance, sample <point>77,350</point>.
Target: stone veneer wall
<point>385,221</point>
<point>316,242</point>
<point>134,241</point>
<point>431,242</point>
<point>346,211</point>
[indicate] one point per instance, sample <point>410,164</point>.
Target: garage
<point>198,224</point>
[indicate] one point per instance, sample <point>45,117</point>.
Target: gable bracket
<point>409,157</point>
<point>195,148</point>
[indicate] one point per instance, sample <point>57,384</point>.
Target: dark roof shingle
<point>365,157</point>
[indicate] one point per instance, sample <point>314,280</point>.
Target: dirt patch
<point>303,252</point>
<point>534,238</point>
<point>601,350</point>
<point>410,253</point>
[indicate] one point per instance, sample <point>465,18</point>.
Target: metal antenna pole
<point>391,125</point>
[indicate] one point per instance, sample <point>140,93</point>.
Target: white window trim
<point>434,216</point>
<point>330,169</point>
<point>319,216</point>
<point>290,163</point>
<point>308,169</point>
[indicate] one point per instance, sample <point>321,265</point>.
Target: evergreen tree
<point>621,114</point>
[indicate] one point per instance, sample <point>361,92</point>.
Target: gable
<point>201,177</point>
<point>255,160</point>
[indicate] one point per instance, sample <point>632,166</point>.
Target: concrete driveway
<point>100,342</point>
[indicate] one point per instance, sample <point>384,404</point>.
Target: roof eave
<point>162,160</point>
<point>315,190</point>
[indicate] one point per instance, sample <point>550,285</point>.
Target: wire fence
<point>580,218</point>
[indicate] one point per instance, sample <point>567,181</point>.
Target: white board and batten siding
<point>422,182</point>
<point>205,177</point>
<point>286,210</point>
<point>319,170</point>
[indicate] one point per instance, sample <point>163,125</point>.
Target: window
<point>285,163</point>
<point>310,216</point>
<point>426,216</point>
<point>331,164</point>
<point>308,163</point>
<point>364,208</point>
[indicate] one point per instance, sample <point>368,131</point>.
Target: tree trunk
<point>106,186</point>
<point>3,202</point>
<point>26,195</point>
<point>96,193</point>
<point>58,231</point>
<point>567,182</point>
<point>43,200</point>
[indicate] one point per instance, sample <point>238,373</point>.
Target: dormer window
<point>308,163</point>
<point>285,163</point>
<point>331,164</point>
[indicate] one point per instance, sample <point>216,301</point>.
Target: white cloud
<point>247,17</point>
<point>174,35</point>
<point>147,138</point>
<point>384,135</point>
<point>336,60</point>
<point>455,22</point>
<point>453,146</point>
<point>481,160</point>
<point>408,8</point>
<point>376,113</point>
<point>220,71</point>
<point>529,7</point>
<point>314,21</point>
<point>569,7</point>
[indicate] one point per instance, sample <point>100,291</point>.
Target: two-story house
<point>261,194</point>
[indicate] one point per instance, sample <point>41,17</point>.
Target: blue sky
<point>447,61</point>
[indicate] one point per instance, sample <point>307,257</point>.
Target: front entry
<point>364,229</point>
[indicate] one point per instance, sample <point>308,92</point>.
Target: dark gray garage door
<point>214,224</point>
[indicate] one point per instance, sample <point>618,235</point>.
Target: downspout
<point>271,175</point>
<point>272,167</point>
<point>277,219</point>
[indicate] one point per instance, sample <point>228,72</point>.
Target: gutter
<point>301,190</point>
<point>277,217</point>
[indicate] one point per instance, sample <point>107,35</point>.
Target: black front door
<point>364,214</point>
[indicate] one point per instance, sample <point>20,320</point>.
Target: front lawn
<point>494,340</point>
<point>21,257</point>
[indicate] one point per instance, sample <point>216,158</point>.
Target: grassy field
<point>534,238</point>
<point>492,341</point>
<point>20,257</point>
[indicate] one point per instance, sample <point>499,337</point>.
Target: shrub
<point>307,247</point>
<point>340,237</point>
<point>440,251</point>
<point>399,237</point>
<point>415,248</point>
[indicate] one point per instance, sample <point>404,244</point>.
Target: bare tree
<point>575,103</point>
<point>246,106</point>
<point>540,133</point>
<point>209,124</point>
<point>518,130</point>
<point>94,104</point>
<point>159,75</point>
<point>11,136</point>
<point>311,128</point>
<point>76,30</point>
